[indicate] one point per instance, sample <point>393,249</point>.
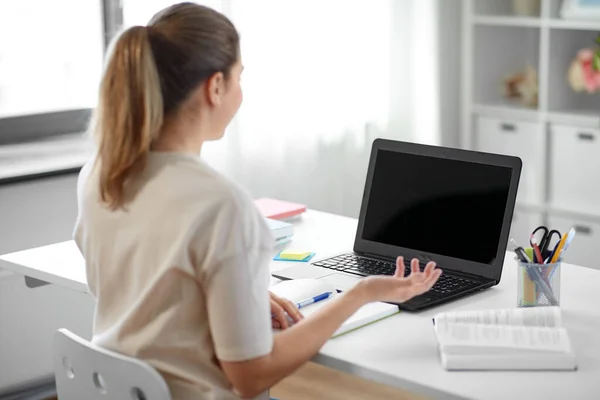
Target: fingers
<point>429,268</point>
<point>279,315</point>
<point>275,324</point>
<point>291,310</point>
<point>399,267</point>
<point>399,288</point>
<point>414,266</point>
<point>430,280</point>
<point>422,282</point>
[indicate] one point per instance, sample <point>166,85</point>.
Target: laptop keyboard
<point>353,264</point>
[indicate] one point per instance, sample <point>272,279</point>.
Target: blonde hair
<point>150,71</point>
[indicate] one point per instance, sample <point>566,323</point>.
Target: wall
<point>425,97</point>
<point>449,22</point>
<point>424,107</point>
<point>33,214</point>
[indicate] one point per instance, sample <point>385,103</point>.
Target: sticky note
<point>295,255</point>
<point>278,257</point>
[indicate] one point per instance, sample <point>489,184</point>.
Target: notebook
<point>300,289</point>
<point>282,231</point>
<point>278,209</point>
<point>507,339</point>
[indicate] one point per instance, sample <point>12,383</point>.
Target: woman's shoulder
<point>196,184</point>
<point>205,181</point>
<point>185,181</point>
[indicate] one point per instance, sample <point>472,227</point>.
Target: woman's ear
<point>215,88</point>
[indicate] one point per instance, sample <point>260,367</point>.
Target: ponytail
<point>150,73</point>
<point>129,114</point>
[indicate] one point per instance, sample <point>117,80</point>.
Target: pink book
<point>278,209</point>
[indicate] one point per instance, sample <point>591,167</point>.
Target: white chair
<point>86,371</point>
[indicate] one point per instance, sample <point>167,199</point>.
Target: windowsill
<point>60,154</point>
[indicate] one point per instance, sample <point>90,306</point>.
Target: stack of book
<point>278,214</point>
<point>279,210</point>
<point>282,231</point>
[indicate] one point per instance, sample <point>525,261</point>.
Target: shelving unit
<point>506,21</point>
<point>559,139</point>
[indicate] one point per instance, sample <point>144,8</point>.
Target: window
<point>51,55</point>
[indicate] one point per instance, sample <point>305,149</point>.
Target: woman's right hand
<point>399,288</point>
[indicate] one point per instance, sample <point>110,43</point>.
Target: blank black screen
<point>436,205</point>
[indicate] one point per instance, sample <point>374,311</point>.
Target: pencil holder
<point>538,284</point>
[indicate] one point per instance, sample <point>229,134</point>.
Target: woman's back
<point>176,255</point>
<point>160,266</point>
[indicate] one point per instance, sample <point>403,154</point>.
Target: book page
<point>534,316</point>
<point>297,290</point>
<point>365,315</point>
<point>466,335</point>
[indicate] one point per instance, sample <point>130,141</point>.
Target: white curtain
<point>322,79</point>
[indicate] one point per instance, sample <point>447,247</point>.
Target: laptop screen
<point>437,205</point>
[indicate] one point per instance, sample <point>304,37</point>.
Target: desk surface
<point>401,351</point>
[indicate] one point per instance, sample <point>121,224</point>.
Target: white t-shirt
<point>181,277</point>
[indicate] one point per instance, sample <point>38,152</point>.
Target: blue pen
<point>310,301</point>
<point>568,241</point>
<point>313,300</point>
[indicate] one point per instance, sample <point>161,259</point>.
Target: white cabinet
<point>36,213</point>
<point>523,223</point>
<point>584,248</point>
<point>525,140</point>
<point>575,169</point>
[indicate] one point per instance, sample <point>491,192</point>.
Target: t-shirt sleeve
<point>236,285</point>
<point>82,179</point>
<point>79,228</point>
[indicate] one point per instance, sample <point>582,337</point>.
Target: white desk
<point>401,350</point>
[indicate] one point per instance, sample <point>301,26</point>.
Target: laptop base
<point>346,270</point>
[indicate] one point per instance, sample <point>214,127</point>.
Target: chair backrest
<point>86,371</point>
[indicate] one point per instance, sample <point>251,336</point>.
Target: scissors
<point>546,238</point>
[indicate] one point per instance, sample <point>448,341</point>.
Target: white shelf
<point>576,118</point>
<point>506,21</point>
<point>508,111</point>
<point>557,23</point>
<point>533,22</point>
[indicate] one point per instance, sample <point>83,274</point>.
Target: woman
<point>177,255</point>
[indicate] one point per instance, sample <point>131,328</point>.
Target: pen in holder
<point>538,284</point>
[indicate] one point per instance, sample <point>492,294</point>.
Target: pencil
<point>558,249</point>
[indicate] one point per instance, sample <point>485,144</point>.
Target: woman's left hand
<point>281,310</point>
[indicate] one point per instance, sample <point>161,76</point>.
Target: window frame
<point>31,127</point>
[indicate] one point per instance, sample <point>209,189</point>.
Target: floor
<point>316,382</point>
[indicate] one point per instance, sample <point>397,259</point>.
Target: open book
<point>511,339</point>
<point>298,290</point>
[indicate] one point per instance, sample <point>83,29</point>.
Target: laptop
<point>451,206</point>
